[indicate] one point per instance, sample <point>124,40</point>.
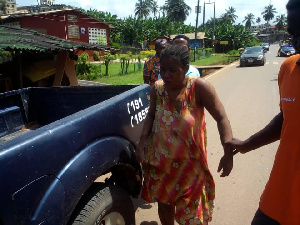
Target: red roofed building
<point>68,24</point>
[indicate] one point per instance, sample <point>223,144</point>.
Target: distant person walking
<point>172,146</point>
<point>185,41</point>
<point>280,201</point>
<point>152,65</point>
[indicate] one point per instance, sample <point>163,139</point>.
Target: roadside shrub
<point>136,61</point>
<point>129,53</point>
<point>125,60</point>
<point>96,56</point>
<point>201,53</point>
<point>107,60</point>
<point>148,53</point>
<point>116,45</point>
<point>208,52</point>
<point>241,50</point>
<point>125,49</point>
<point>233,52</point>
<point>5,56</point>
<point>86,70</point>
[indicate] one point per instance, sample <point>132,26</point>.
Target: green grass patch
<point>135,76</point>
<point>215,60</point>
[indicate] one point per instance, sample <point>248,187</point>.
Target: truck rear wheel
<point>105,205</point>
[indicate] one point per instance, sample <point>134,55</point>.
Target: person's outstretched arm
<point>207,97</point>
<point>143,145</point>
<point>267,135</point>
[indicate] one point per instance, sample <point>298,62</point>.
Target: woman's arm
<point>207,97</point>
<point>142,146</point>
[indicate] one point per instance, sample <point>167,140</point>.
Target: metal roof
<point>191,36</point>
<point>13,38</point>
<point>17,15</point>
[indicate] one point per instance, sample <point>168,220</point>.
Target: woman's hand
<point>231,148</point>
<point>226,164</point>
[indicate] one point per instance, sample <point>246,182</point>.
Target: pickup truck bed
<point>79,134</point>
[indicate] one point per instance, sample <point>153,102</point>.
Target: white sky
<point>125,8</point>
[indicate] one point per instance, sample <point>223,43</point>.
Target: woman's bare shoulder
<point>201,84</point>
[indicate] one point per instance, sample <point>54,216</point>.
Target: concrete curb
<point>216,72</point>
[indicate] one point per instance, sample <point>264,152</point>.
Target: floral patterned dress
<point>175,166</point>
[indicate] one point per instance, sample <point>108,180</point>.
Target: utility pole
<point>203,17</point>
<point>213,35</point>
<point>214,27</point>
<point>195,41</point>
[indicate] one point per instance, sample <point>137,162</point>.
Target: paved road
<point>250,97</point>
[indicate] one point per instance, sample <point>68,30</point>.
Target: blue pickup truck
<point>56,142</point>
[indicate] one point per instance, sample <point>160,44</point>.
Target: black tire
<point>104,205</point>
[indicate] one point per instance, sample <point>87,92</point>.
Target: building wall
<point>69,25</point>
<point>47,2</point>
<point>8,6</point>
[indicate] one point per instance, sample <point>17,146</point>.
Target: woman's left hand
<point>225,165</point>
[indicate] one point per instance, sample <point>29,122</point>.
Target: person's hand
<point>226,165</point>
<point>238,146</point>
<point>140,151</point>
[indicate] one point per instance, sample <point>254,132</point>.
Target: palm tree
<point>281,22</point>
<point>225,18</point>
<point>177,10</point>
<point>268,13</point>
<point>230,14</point>
<point>163,9</point>
<point>249,19</point>
<point>154,7</point>
<point>142,9</point>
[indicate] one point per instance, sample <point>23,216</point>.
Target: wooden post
<point>65,65</point>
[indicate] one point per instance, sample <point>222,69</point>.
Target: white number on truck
<point>135,110</point>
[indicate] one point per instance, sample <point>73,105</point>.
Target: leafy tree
<point>268,13</point>
<point>101,40</point>
<point>249,19</point>
<point>125,61</point>
<point>129,29</point>
<point>106,17</point>
<point>236,35</point>
<point>177,10</point>
<point>281,22</point>
<point>107,60</point>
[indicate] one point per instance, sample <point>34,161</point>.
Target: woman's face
<point>172,72</point>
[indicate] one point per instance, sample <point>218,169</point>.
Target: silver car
<point>253,56</point>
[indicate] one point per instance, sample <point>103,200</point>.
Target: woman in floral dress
<point>172,147</point>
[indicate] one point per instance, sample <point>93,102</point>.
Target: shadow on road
<point>142,205</point>
<point>149,223</point>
